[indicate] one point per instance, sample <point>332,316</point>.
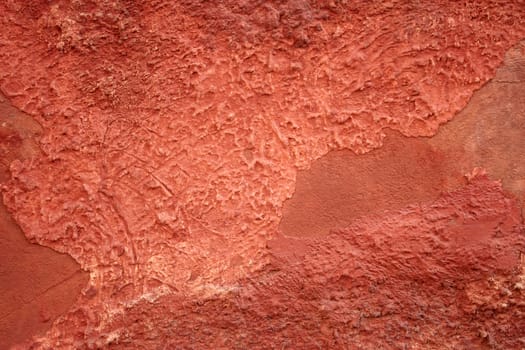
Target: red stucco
<point>178,139</point>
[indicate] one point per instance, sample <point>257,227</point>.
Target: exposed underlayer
<point>259,175</point>
<point>37,284</point>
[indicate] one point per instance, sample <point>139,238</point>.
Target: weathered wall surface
<point>489,133</point>
<point>36,283</point>
<point>173,134</point>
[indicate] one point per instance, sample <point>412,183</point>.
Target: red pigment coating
<point>488,133</point>
<point>36,283</point>
<point>429,275</point>
<point>342,185</point>
<point>172,135</point>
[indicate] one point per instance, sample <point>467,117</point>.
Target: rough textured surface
<point>489,133</point>
<point>36,284</point>
<point>172,135</point>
